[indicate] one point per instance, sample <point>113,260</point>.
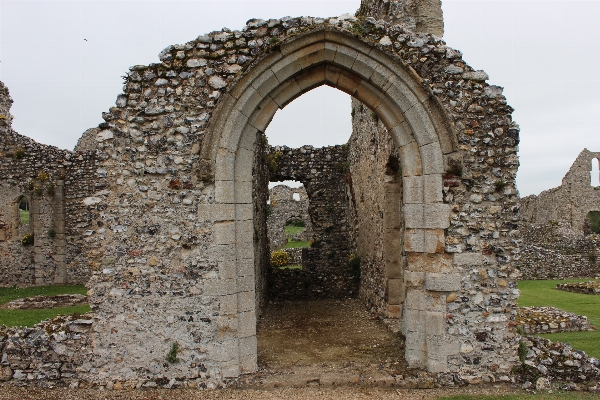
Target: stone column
<point>60,240</point>
<point>38,244</point>
<point>421,16</point>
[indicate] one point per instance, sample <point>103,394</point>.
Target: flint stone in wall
<point>104,135</point>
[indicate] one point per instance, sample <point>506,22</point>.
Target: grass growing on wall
<point>544,293</point>
<point>32,317</point>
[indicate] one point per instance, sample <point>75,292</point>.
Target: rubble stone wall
<point>569,203</point>
<point>325,272</point>
<point>375,198</point>
<point>553,251</point>
<point>178,252</point>
<point>49,354</point>
<point>283,208</point>
<point>54,182</point>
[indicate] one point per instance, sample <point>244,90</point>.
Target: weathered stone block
<point>413,216</point>
<point>433,188</point>
<point>442,282</point>
<point>247,324</point>
<point>246,301</point>
<point>432,158</point>
<point>224,232</point>
<point>468,259</point>
<point>224,192</point>
<point>243,163</point>
<point>228,304</point>
<point>435,323</point>
<point>438,263</point>
<point>434,240</point>
<point>413,190</point>
<point>263,114</point>
<point>411,159</point>
<point>436,216</point>
<point>394,311</point>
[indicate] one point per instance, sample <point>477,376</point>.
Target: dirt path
<point>9,392</point>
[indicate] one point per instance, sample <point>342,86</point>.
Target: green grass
<point>24,215</point>
<point>293,245</point>
<point>293,230</point>
<point>291,267</point>
<point>32,317</point>
<point>540,396</point>
<point>544,293</point>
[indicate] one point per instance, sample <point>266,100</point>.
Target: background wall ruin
<point>55,183</point>
<point>325,272</point>
<point>555,242</point>
<point>283,208</point>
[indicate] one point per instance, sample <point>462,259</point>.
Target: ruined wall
<point>569,203</point>
<point>283,207</point>
<point>55,182</point>
<point>325,272</point>
<point>554,223</point>
<point>421,16</point>
<point>375,199</point>
<point>176,260</point>
<point>48,354</point>
<point>553,251</point>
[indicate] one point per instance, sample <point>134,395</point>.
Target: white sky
<point>544,53</point>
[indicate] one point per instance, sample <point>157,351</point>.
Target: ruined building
<point>162,209</point>
<point>557,240</point>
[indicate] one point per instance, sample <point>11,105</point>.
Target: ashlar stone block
<point>437,282</point>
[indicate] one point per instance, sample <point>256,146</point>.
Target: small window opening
<point>296,196</point>
<point>592,222</point>
<point>595,174</point>
<point>24,210</point>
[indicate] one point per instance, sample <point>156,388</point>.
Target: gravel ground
<point>11,392</point>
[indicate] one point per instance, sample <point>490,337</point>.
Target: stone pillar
<point>421,16</point>
<point>38,244</point>
<point>60,240</point>
<point>392,246</point>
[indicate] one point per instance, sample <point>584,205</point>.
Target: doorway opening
<point>323,307</point>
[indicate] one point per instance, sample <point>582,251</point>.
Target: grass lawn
<point>544,293</point>
<point>291,267</point>
<point>24,215</point>
<point>293,245</point>
<point>32,317</point>
<point>541,396</point>
<point>293,230</point>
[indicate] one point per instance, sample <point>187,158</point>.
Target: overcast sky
<point>544,53</point>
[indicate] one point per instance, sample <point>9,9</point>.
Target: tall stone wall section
<point>555,241</point>
<point>54,182</point>
<point>569,203</point>
<point>325,272</point>
<point>176,262</point>
<point>283,207</point>
<point>375,199</point>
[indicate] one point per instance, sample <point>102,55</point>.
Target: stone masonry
<point>284,208</point>
<point>325,272</point>
<point>165,204</point>
<point>555,243</point>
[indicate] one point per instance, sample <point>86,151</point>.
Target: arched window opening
<point>595,174</point>
<point>592,223</point>
<point>24,210</point>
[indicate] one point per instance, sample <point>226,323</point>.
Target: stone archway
<point>422,134</point>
